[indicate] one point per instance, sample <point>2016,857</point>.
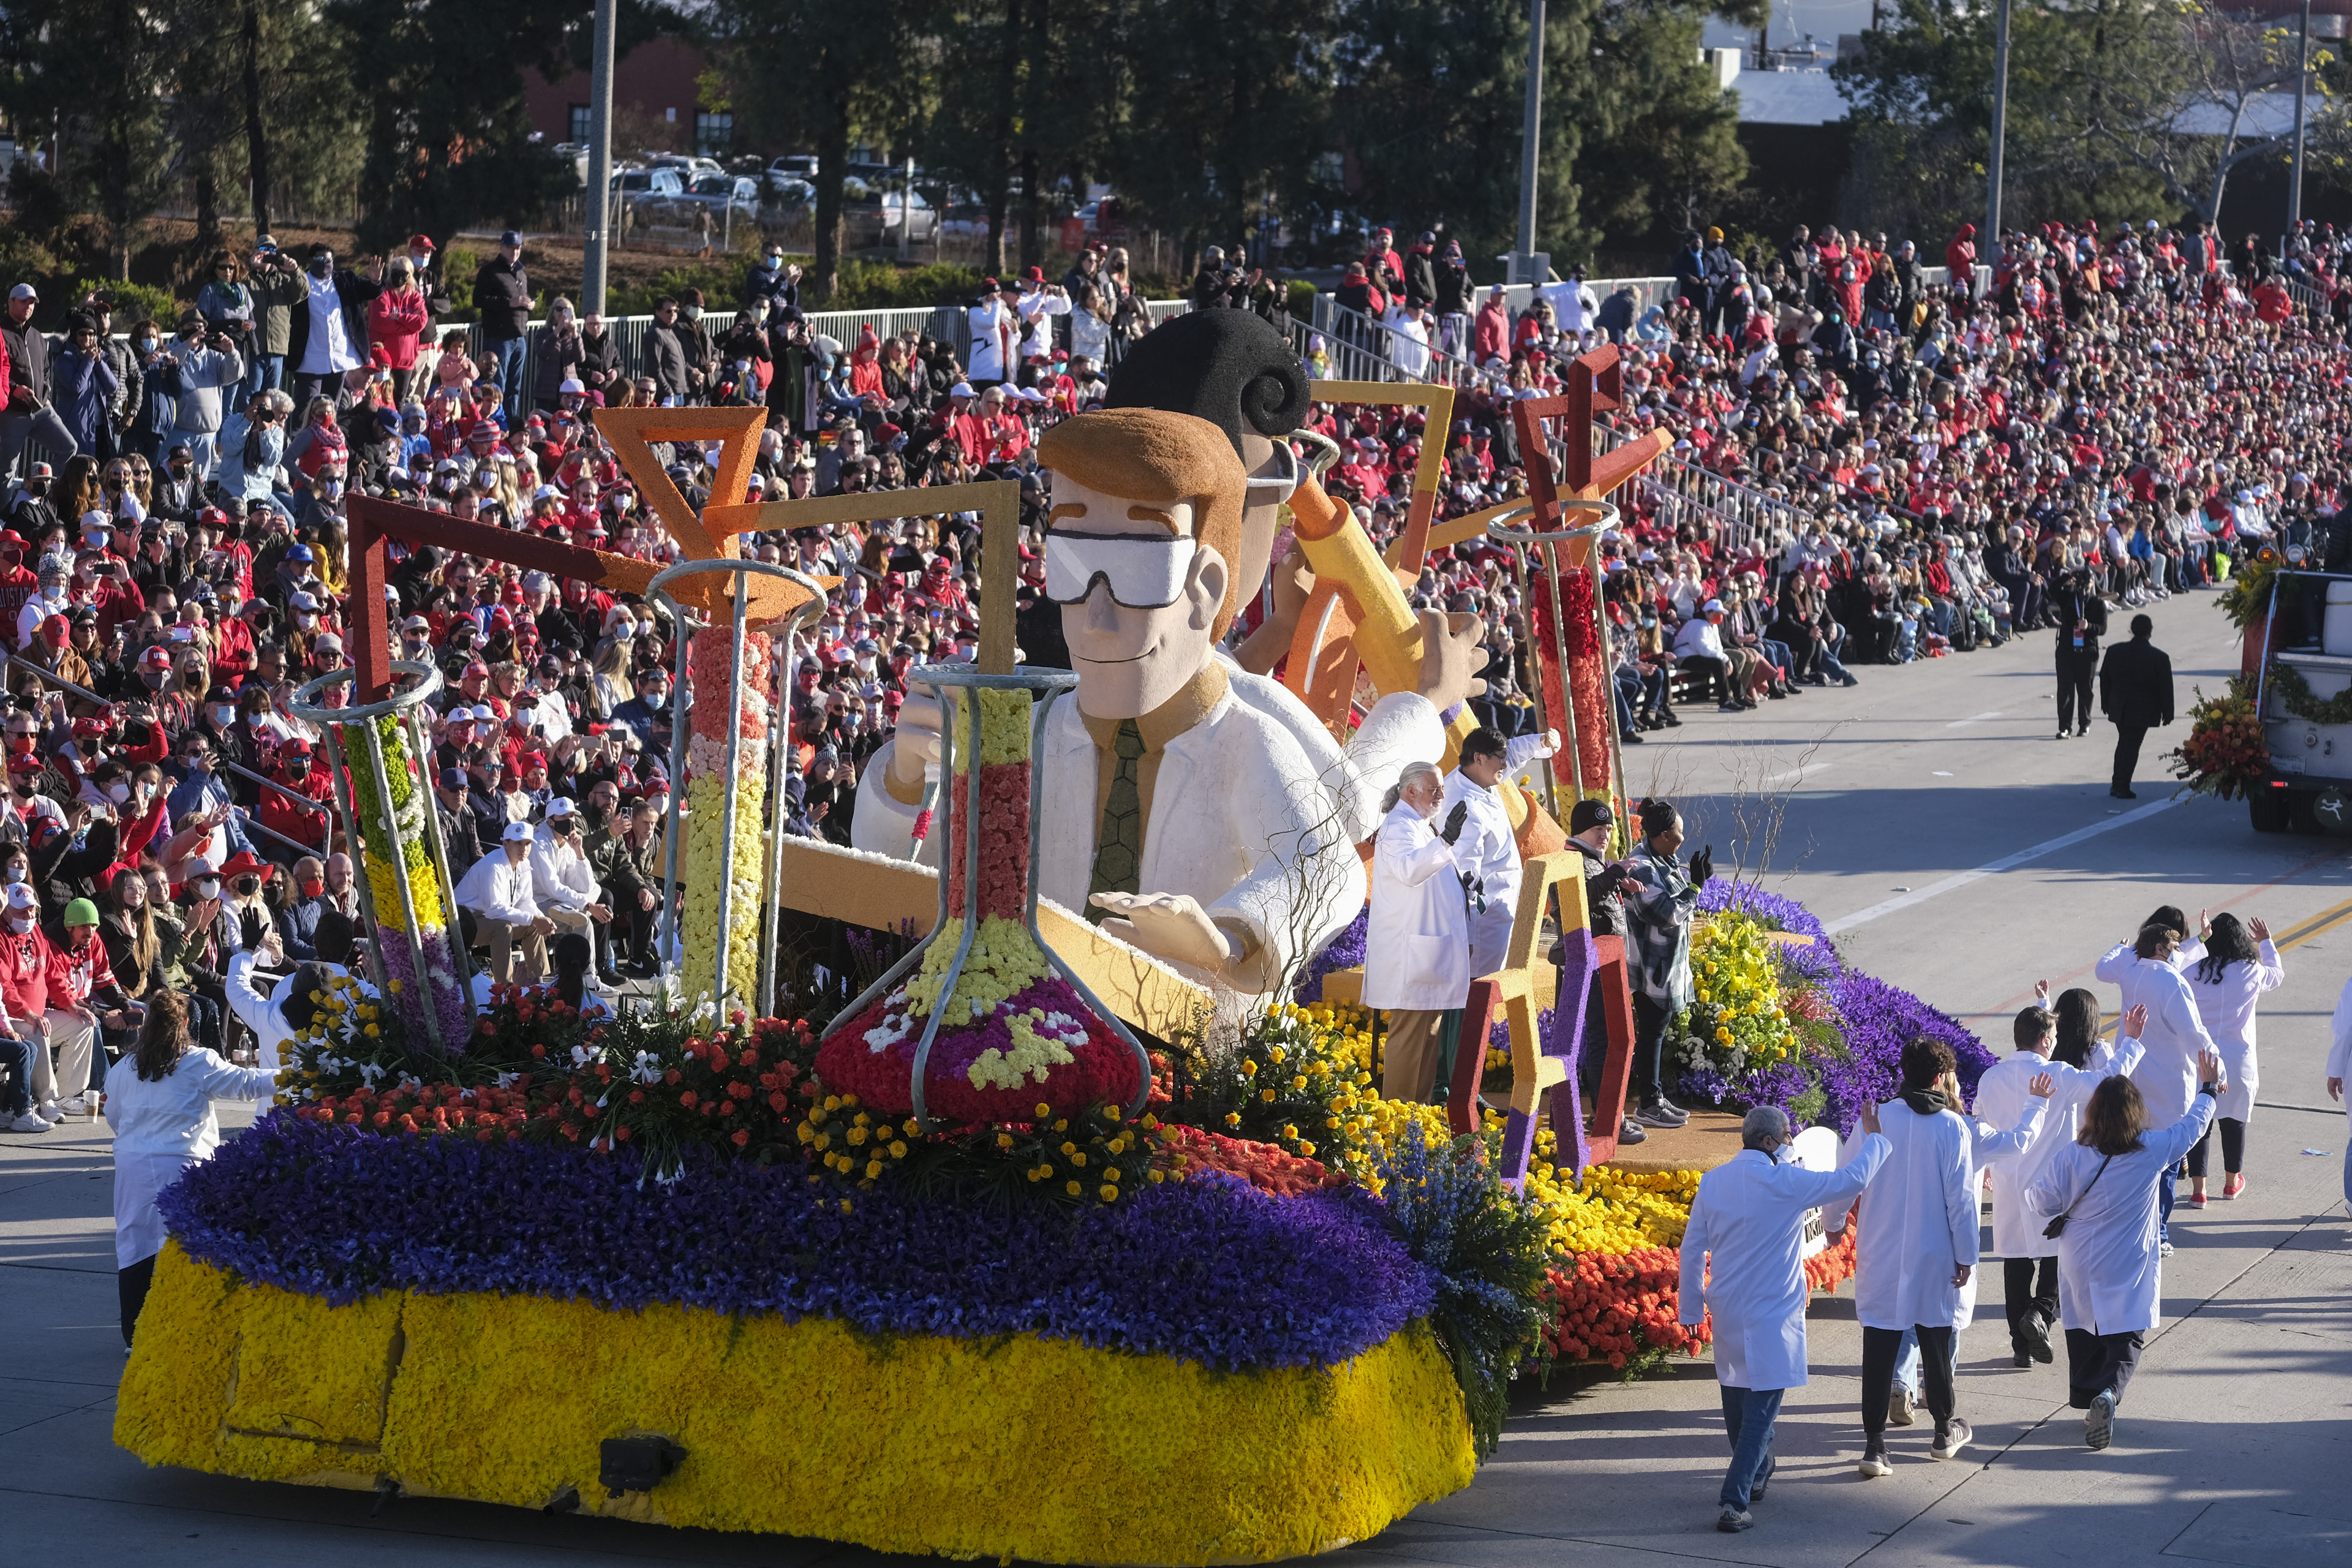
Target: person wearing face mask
<point>329,332</point>
<point>296,768</point>
<point>1417,950</point>
<point>1743,1261</point>
<point>298,921</point>
<point>564,882</point>
<point>55,578</point>
<point>246,922</point>
<point>35,990</point>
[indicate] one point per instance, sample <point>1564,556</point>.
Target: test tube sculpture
<point>418,959</point>
<point>1571,646</point>
<point>725,747</point>
<point>982,1022</point>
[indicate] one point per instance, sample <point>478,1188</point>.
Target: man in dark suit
<point>2135,691</point>
<point>2082,620</point>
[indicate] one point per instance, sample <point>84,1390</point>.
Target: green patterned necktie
<point>1118,845</point>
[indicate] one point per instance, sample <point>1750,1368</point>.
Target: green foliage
<point>1488,1245</point>
<point>878,285</point>
<point>458,265</point>
<point>722,289</point>
<point>1658,123</point>
<point>134,301</point>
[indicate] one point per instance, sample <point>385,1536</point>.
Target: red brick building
<point>656,103</point>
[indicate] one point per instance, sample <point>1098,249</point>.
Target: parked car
<point>871,215</point>
<point>650,195</point>
<point>720,192</point>
<point>792,166</point>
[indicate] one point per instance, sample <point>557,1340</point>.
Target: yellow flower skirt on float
<point>1013,1446</point>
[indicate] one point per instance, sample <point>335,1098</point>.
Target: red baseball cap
<point>420,242</point>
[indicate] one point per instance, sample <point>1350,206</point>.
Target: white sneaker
<point>49,1110</point>
<point>1901,1409</point>
<point>76,1106</point>
<point>26,1122</point>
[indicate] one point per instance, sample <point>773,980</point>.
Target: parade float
<point>1020,1253</point>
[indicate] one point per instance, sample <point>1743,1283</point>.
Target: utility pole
<point>2302,87</point>
<point>597,200</point>
<point>1990,251</point>
<point>1523,265</point>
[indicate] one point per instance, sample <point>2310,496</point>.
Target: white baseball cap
<point>561,806</point>
<point>22,897</point>
<point>517,833</point>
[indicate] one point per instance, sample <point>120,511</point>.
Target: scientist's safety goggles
<point>1143,571</point>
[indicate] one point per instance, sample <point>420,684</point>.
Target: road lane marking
<point>2295,935</point>
<point>1994,868</point>
<point>1978,719</point>
<point>1797,775</point>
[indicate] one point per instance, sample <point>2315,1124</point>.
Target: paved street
<point>1873,806</point>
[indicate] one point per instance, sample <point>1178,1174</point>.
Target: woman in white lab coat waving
<point>2110,1270</point>
<point>159,1101</point>
<point>2029,1259</point>
<point>1417,939</point>
<point>1916,1252</point>
<point>2238,966</point>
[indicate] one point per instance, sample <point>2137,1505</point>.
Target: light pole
<point>597,200</point>
<point>1523,265</point>
<point>1990,250</point>
<point>2302,86</point>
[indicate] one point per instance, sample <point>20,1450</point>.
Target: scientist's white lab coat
<point>1417,941</point>
<point>2166,1074</point>
<point>1487,851</point>
<point>2001,1096</point>
<point>1750,1213</point>
<point>2110,1273</point>
<point>1918,1221</point>
<point>2227,1011</point>
<point>160,1130</point>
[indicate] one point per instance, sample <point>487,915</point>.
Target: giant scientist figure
<point>1195,810</point>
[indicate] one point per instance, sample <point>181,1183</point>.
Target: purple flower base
<point>1345,951</point>
<point>1879,1020</point>
<point>1207,1269</point>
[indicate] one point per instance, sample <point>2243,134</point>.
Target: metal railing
<point>327,840</point>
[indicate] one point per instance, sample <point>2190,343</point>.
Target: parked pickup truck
<point>2310,786</point>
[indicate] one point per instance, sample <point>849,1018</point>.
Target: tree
<point>1659,133</point>
<point>440,83</point>
<point>826,76</point>
<point>1228,107</point>
<point>1036,89</point>
<point>1432,101</point>
<point>1921,101</point>
<point>95,70</point>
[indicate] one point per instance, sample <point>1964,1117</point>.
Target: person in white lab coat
<point>2339,1067</point>
<point>1750,1214</point>
<point>2116,964</point>
<point>1916,1254</point>
<point>497,889</point>
<point>563,883</point>
<point>2029,1259</point>
<point>2239,963</point>
<point>2110,1268</point>
<point>1417,941</point>
<point>1486,849</point>
<point>159,1101</point>
<point>277,1014</point>
<point>2166,1074</point>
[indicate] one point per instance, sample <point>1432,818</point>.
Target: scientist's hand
<point>1167,925</point>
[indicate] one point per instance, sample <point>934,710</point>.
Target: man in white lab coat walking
<point>1750,1214</point>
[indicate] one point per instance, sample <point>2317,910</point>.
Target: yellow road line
<point>2325,920</point>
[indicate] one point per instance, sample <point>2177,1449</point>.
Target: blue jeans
<point>16,1056</point>
<point>266,374</point>
<point>512,354</point>
<point>1748,1415</point>
<point>1906,1361</point>
<point>2164,1204</point>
